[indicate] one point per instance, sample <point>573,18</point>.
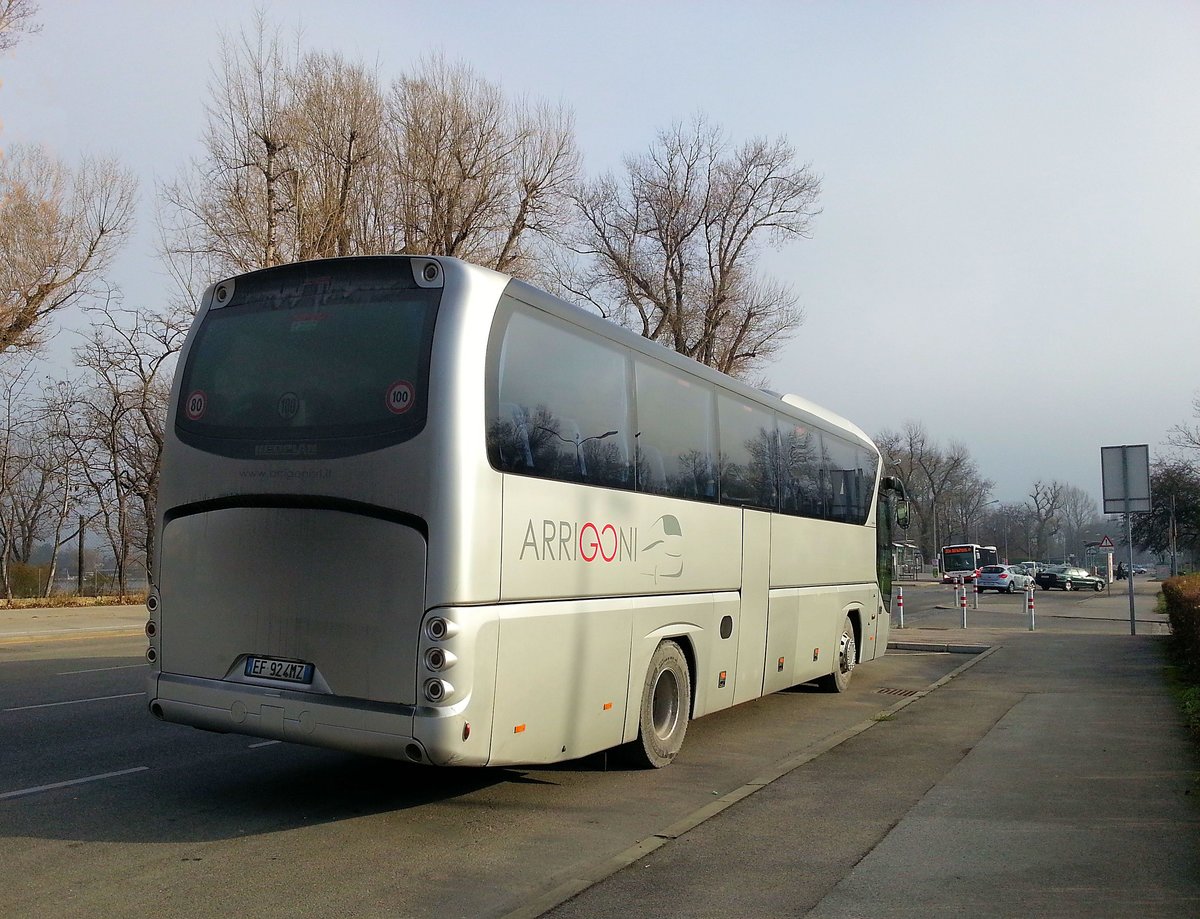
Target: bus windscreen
<point>957,559</point>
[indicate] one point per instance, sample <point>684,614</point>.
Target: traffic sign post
<point>1125,471</point>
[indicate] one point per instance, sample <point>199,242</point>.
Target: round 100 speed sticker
<point>400,397</point>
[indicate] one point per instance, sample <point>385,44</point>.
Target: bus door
<point>869,618</point>
<point>756,581</point>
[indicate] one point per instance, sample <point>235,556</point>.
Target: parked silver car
<point>1006,578</point>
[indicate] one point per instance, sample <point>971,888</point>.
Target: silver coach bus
<point>414,508</point>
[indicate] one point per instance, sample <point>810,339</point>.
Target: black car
<point>1068,578</point>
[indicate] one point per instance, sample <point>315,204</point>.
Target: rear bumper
<point>357,726</point>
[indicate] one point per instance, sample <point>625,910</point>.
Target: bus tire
<point>843,666</point>
<point>666,703</point>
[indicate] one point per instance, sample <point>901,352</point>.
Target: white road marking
<point>101,669</point>
<point>90,778</point>
<point>265,743</point>
<point>25,708</point>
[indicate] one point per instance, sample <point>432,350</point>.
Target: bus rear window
<point>316,359</point>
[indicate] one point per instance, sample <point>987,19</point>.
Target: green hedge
<point>1182,598</point>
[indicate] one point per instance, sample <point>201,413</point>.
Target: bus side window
<point>676,439</point>
<point>577,417</point>
<point>571,454</point>
<point>520,454</point>
<point>652,473</point>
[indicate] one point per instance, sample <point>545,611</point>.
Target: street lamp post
<point>981,507</point>
<point>577,442</point>
<point>579,448</point>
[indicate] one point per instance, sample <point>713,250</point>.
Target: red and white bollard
<point>975,585</point>
<point>1029,604</point>
<point>900,604</point>
<point>962,602</point>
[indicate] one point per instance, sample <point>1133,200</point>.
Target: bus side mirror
<point>902,514</point>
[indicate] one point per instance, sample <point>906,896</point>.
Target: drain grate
<point>897,692</point>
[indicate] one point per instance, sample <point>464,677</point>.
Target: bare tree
<point>116,422</point>
<point>1010,522</point>
<point>57,482</point>
<point>16,19</point>
<point>39,485</point>
<point>59,231</point>
<point>1184,435</point>
<point>966,502</point>
<point>335,122</point>
<point>1078,513</point>
<point>477,174</point>
<point>670,246</point>
<point>16,457</point>
<point>940,482</point>
<point>305,157</point>
<point>1045,502</point>
<point>228,208</point>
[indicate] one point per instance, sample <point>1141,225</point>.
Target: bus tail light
<point>437,690</point>
<point>439,659</point>
<point>151,628</point>
<point>440,629</point>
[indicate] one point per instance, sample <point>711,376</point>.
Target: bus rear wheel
<point>666,698</point>
<point>839,679</point>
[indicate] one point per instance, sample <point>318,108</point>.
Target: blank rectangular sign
<point>1126,467</point>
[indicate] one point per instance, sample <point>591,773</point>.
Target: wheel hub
<point>665,704</point>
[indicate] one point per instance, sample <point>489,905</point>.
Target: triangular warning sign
<point>1106,543</point>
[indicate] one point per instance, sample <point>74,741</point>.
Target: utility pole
<point>1174,562</point>
<point>79,568</point>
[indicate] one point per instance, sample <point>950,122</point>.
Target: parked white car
<point>1006,578</point>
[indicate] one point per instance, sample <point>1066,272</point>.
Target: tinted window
<point>800,461</point>
<point>333,354</point>
<point>750,458</point>
<point>676,442</point>
<point>562,410</point>
<point>849,479</point>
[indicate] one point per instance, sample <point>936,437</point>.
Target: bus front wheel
<point>666,697</point>
<point>839,679</point>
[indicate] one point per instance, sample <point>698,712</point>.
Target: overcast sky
<point>1009,249</point>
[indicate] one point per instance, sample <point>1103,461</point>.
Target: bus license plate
<point>269,668</point>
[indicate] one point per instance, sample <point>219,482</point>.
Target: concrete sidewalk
<point>1051,778</point>
<point>52,624</point>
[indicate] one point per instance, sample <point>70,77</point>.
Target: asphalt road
<point>106,812</point>
<point>929,605</point>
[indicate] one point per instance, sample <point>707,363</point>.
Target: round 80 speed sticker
<point>400,397</point>
<point>195,405</point>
